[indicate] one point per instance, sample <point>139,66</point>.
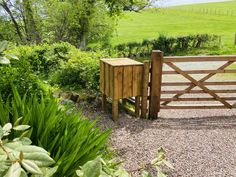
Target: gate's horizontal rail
<point>200,58</point>
<point>194,91</point>
<point>196,99</point>
<point>201,71</point>
<point>194,107</point>
<point>190,83</point>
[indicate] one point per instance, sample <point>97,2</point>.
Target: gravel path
<point>199,143</point>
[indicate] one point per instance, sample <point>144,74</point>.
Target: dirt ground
<point>199,143</point>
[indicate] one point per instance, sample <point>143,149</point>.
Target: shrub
<point>44,59</point>
<point>71,139</point>
<point>169,45</point>
<point>18,73</point>
<point>81,71</point>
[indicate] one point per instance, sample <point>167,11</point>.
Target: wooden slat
<point>195,91</point>
<point>204,83</point>
<point>127,81</point>
<point>199,84</point>
<point>201,71</point>
<point>111,82</point>
<point>137,80</point>
<point>194,107</point>
<point>118,80</point>
<point>199,58</point>
<point>102,77</point>
<point>145,89</point>
<point>201,80</point>
<point>156,79</point>
<point>196,99</point>
<point>107,78</point>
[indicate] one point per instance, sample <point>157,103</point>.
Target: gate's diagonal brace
<point>199,84</point>
<point>201,80</point>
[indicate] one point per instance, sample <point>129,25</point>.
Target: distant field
<point>211,18</point>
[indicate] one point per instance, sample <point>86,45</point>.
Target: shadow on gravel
<point>134,125</point>
<point>226,122</point>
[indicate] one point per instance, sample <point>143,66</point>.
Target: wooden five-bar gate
<point>153,86</point>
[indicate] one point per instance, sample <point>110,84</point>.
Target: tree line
<point>78,22</point>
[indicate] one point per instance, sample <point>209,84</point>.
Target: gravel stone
<point>199,143</point>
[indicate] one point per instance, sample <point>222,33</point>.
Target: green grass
<point>180,20</point>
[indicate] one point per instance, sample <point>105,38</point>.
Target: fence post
<point>146,68</point>
<point>156,79</point>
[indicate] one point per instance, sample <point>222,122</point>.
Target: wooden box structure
<point>120,78</point>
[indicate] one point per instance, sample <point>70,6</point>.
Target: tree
<point>76,21</point>
<point>21,13</point>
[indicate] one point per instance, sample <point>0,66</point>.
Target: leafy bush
<point>17,73</point>
<point>169,45</point>
<point>81,71</point>
<point>19,157</point>
<point>71,139</point>
<point>44,59</point>
<point>62,64</point>
<point>4,56</point>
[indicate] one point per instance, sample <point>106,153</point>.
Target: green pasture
<point>211,18</point>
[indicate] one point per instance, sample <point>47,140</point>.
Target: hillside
<point>212,18</point>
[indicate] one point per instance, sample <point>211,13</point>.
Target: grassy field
<point>211,18</point>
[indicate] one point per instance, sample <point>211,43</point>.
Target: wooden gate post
<point>155,86</point>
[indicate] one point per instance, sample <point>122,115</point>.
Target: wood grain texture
<point>137,106</point>
<point>137,80</point>
<point>145,84</point>
<point>102,77</point>
<point>194,91</point>
<point>194,107</point>
<point>204,83</point>
<point>196,99</point>
<point>156,79</point>
<point>107,80</point>
<point>115,109</point>
<point>118,82</point>
<point>127,81</point>
<point>200,58</point>
<point>201,71</point>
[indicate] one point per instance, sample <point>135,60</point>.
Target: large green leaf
<point>30,149</point>
<point>92,168</point>
<point>41,159</point>
<point>21,127</point>
<point>4,60</point>
<point>31,167</point>
<point>14,170</point>
<point>3,46</point>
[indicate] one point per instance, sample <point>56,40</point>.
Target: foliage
<point>81,71</point>
<point>77,22</point>
<point>169,45</point>
<point>102,168</point>
<point>18,73</point>
<point>4,56</point>
<point>19,158</point>
<point>44,59</point>
<point>71,139</point>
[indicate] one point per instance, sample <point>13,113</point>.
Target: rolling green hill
<point>211,18</point>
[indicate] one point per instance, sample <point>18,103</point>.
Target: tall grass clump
<point>70,138</point>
